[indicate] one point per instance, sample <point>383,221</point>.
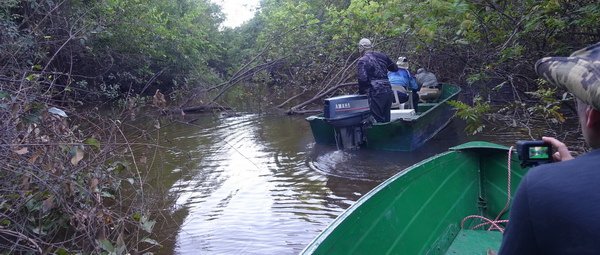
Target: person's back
<point>561,203</point>
<point>372,66</point>
<point>430,90</point>
<point>402,78</point>
<point>426,79</point>
<point>372,78</point>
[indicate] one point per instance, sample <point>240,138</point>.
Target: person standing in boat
<point>556,209</point>
<point>403,78</point>
<point>372,70</point>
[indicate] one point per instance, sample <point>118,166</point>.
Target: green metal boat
<point>403,134</point>
<point>420,210</point>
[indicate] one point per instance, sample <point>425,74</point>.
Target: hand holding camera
<point>562,152</point>
<point>547,150</point>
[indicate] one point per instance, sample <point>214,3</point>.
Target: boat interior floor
<point>476,242</point>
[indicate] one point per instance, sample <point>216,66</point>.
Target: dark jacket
<point>557,209</point>
<point>373,66</point>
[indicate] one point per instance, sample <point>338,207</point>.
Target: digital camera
<point>533,153</point>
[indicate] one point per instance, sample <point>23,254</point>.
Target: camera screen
<point>539,152</point>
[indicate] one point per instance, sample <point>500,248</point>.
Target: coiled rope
<point>495,224</point>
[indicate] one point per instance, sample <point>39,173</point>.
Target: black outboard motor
<point>350,116</point>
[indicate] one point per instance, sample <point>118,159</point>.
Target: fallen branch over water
<point>198,109</point>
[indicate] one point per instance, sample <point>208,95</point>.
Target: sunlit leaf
<point>94,184</point>
<point>39,231</point>
<point>151,241</point>
<point>77,155</point>
<point>57,112</point>
<point>147,224</point>
<point>48,204</point>
<point>21,151</point>
<point>107,194</point>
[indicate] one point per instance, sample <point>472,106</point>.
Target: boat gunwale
<point>314,244</point>
<point>406,119</point>
<point>473,146</point>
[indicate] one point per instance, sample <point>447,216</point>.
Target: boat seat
<point>428,95</point>
<point>396,104</point>
<point>475,242</point>
<point>401,114</point>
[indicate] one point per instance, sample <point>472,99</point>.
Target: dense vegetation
<point>64,188</point>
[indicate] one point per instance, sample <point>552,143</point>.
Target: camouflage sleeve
<point>392,67</point>
<point>363,78</point>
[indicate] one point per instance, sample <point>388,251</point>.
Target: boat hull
<point>419,210</point>
<point>404,134</point>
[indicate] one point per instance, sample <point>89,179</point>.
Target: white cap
<point>365,44</point>
<point>402,62</point>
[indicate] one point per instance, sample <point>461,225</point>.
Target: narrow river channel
<point>258,184</point>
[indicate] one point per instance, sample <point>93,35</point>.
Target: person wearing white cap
<point>403,78</point>
<point>556,209</point>
<point>372,70</point>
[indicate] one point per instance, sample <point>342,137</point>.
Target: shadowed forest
<point>69,180</point>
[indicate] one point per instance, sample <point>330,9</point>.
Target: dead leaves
<point>21,151</point>
<point>158,100</point>
<point>77,153</point>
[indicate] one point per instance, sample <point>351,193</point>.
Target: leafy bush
<point>473,115</point>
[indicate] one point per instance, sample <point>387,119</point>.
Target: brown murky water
<point>258,184</point>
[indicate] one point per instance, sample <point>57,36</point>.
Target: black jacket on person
<point>556,209</point>
<point>372,78</point>
<point>373,66</point>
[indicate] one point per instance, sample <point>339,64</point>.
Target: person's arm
<point>391,65</point>
<point>363,78</point>
<point>562,152</point>
<point>519,235</point>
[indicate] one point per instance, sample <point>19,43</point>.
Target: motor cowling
<point>350,116</point>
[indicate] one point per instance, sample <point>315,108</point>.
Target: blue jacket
<point>403,77</point>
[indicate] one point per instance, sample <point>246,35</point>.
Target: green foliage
<point>473,115</point>
<point>549,105</point>
<point>111,48</point>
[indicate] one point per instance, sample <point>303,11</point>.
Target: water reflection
<point>257,184</point>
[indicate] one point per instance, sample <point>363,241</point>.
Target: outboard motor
<point>350,116</point>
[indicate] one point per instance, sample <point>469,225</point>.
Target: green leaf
<point>117,166</point>
<point>106,245</point>
<point>3,94</point>
<point>106,194</point>
<point>136,216</point>
<point>5,222</point>
<point>92,142</point>
<point>61,251</point>
<point>31,77</point>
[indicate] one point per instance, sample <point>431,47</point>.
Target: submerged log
<point>197,109</point>
<point>311,111</point>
